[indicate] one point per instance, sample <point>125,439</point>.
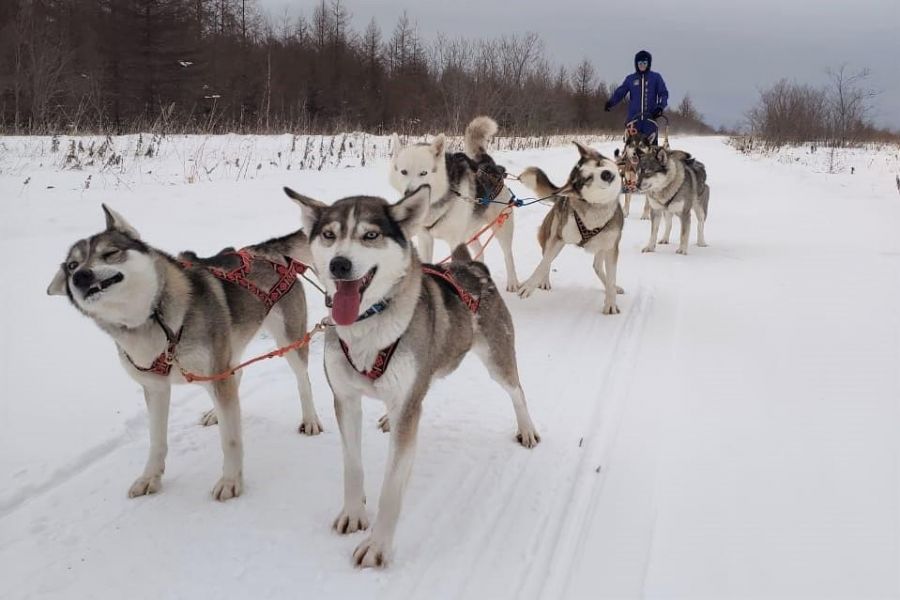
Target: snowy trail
<point>743,411</point>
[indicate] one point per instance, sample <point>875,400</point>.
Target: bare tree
<point>850,103</point>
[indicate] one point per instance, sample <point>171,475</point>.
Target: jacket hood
<point>643,55</point>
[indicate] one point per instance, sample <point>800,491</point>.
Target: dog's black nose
<point>340,267</point>
<point>607,176</point>
<point>83,279</point>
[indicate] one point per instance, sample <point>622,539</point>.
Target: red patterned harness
<point>240,276</point>
<point>383,359</point>
<point>162,364</point>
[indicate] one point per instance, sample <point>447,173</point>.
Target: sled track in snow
<point>505,481</point>
<point>576,505</point>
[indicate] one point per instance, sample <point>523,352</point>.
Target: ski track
<point>600,436</point>
<point>483,517</point>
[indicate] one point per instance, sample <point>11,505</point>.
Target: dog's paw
<point>702,245</point>
<point>527,288</point>
<point>545,284</point>
<point>528,438</point>
<point>610,309</point>
<point>228,488</point>
<point>681,251</point>
<point>351,520</point>
<point>311,427</point>
<point>648,249</point>
<point>371,553</point>
<point>620,290</point>
<point>209,418</point>
<point>645,217</point>
<point>512,286</point>
<point>145,484</point>
<point>384,424</point>
<point>663,241</point>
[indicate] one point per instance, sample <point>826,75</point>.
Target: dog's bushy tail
<point>478,133</point>
<point>538,182</point>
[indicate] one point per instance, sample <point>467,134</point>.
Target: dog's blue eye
<point>72,265</point>
<point>403,172</point>
<point>328,235</point>
<point>370,235</point>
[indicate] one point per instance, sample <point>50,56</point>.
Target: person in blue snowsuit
<point>647,95</point>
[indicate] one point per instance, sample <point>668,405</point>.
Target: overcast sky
<point>719,51</point>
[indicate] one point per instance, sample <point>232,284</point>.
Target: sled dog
<point>585,213</point>
<point>636,144</point>
<point>165,315</point>
<point>399,324</point>
<point>463,201</point>
<point>675,184</point>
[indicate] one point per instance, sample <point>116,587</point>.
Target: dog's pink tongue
<point>345,304</point>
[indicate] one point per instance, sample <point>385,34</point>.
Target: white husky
<point>455,213</point>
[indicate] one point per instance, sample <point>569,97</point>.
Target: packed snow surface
<point>732,433</point>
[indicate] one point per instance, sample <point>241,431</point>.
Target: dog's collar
<point>373,310</point>
<point>378,307</point>
<point>162,364</point>
<point>170,335</point>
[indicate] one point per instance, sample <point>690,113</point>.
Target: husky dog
<point>455,213</point>
<point>675,184</point>
<point>398,326</point>
<point>164,314</point>
<point>585,213</point>
<point>636,144</point>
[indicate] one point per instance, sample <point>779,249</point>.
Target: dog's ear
<point>395,145</point>
<point>116,222</point>
<point>57,287</point>
<point>309,208</point>
<point>662,157</point>
<point>437,145</point>
<point>585,151</point>
<point>411,210</point>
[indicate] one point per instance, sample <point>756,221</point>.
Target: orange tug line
<point>304,341</point>
<point>500,220</point>
<point>320,326</point>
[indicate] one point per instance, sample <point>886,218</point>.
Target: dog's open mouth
<point>348,296</point>
<point>102,285</point>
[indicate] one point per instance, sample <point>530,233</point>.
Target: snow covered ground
<point>733,433</point>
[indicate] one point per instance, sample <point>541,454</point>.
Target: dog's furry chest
<point>432,344</point>
<point>455,222</point>
<point>676,198</point>
<point>591,218</point>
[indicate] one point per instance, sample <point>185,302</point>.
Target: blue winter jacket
<point>646,92</point>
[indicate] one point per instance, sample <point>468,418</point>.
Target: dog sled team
<point>397,321</point>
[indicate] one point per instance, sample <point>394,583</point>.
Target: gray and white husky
<point>636,144</point>
<point>455,213</point>
<point>165,315</point>
<point>675,184</point>
<point>399,324</point>
<point>585,213</point>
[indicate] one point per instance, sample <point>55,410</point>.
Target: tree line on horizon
<point>120,66</point>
